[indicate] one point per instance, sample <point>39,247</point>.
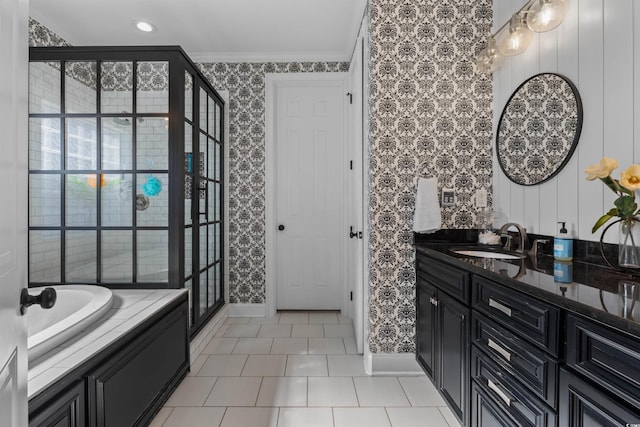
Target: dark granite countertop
<point>592,290</point>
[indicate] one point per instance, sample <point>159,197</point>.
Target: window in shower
<point>125,165</point>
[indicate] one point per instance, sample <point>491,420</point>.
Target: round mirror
<point>539,129</point>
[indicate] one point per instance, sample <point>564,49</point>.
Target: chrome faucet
<point>524,241</point>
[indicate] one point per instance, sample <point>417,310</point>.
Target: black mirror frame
<point>576,136</point>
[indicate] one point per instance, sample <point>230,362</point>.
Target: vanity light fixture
<point>145,26</point>
<point>517,38</point>
<point>490,59</point>
<point>545,15</point>
<point>515,35</point>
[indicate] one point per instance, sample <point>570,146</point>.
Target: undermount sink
<point>485,253</point>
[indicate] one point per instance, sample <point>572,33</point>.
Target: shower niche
<point>125,172</point>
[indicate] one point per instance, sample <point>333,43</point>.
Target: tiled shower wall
<point>432,117</point>
<point>81,189</point>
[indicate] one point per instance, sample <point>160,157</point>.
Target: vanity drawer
<point>508,394</point>
<point>534,320</point>
<point>531,366</point>
<point>452,280</point>
<point>485,412</point>
<point>608,357</point>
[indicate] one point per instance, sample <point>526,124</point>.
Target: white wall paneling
<point>598,48</point>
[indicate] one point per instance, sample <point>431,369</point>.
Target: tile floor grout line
<point>224,414</point>
<point>388,416</point>
<point>210,391</point>
<point>405,392</point>
<point>243,366</point>
<point>235,345</point>
<point>355,389</point>
<point>198,373</point>
<point>255,402</point>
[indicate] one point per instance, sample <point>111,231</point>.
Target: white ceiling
<point>213,30</point>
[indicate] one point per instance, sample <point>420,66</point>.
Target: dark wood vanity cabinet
<point>520,360</point>
<point>442,338</point>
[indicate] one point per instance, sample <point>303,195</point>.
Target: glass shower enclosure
<point>125,172</point>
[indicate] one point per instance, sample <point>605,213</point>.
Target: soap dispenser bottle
<point>563,245</point>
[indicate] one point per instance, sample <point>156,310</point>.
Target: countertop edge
<point>575,307</point>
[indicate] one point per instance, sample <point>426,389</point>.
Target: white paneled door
<point>13,222</point>
<point>310,193</point>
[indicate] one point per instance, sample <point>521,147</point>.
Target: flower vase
<point>629,244</point>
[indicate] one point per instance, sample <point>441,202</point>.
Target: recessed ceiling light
<point>145,26</point>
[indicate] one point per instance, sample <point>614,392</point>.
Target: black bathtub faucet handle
<point>46,299</point>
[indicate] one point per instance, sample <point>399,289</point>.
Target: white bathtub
<point>77,307</point>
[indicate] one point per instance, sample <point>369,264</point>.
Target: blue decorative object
<point>152,187</point>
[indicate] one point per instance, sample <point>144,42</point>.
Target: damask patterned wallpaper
<point>431,116</point>
<point>246,85</point>
<point>41,36</point>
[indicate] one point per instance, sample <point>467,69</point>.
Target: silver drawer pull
<point>498,306</point>
<point>493,386</point>
<point>434,301</point>
<point>497,347</point>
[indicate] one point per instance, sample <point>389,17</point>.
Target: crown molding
<point>207,57</point>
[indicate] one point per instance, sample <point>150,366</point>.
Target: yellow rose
<point>602,169</point>
<point>630,178</point>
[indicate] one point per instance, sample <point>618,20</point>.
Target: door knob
<point>46,299</point>
<point>356,234</point>
<point>281,227</point>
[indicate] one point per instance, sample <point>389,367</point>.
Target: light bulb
<point>545,15</point>
<point>145,26</point>
<point>489,59</point>
<point>516,38</point>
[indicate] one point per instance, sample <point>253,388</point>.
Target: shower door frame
<point>178,63</point>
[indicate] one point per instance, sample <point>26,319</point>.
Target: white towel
<point>426,218</point>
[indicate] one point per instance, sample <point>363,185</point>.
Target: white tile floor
<point>296,370</point>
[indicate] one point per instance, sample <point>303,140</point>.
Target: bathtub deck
<point>130,308</point>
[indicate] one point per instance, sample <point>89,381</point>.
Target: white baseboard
<point>247,310</point>
<point>392,364</point>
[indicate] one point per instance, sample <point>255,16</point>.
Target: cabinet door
<point>68,410</point>
<point>133,384</point>
<point>582,405</point>
<point>453,334</point>
<point>426,327</point>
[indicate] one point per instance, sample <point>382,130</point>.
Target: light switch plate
<point>448,197</point>
<point>481,198</point>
